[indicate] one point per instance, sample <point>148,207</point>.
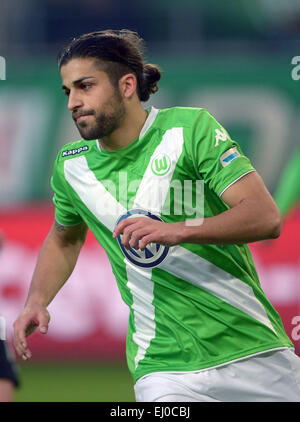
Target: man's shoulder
<point>181,116</point>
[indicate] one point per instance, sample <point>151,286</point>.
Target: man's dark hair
<point>118,53</point>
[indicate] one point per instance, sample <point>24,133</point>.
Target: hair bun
<point>151,75</point>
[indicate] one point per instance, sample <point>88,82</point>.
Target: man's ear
<point>128,85</point>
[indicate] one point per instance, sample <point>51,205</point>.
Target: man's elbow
<point>275,224</point>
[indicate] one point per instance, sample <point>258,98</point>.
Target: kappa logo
<point>161,164</point>
<point>221,135</point>
<point>74,151</point>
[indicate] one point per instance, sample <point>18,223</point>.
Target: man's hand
<point>62,247</point>
<point>30,318</point>
<point>138,232</point>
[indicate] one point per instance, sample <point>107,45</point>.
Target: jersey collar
<point>149,121</point>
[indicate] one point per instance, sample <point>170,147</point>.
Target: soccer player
<point>287,194</point>
<point>9,379</point>
<point>200,326</point>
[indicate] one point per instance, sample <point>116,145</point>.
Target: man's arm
<point>253,216</point>
<point>56,261</point>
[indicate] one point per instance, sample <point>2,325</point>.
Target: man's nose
<point>74,101</point>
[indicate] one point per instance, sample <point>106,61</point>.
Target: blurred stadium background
<point>232,58</point>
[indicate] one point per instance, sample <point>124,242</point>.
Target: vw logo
<point>153,254</point>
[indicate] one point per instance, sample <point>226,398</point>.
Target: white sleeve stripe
<point>67,225</point>
<point>250,171</point>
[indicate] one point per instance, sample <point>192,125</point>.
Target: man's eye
<point>67,93</point>
<point>85,86</point>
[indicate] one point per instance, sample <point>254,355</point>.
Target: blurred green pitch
<point>74,382</point>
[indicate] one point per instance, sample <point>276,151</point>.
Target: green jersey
<point>287,194</point>
<point>192,306</point>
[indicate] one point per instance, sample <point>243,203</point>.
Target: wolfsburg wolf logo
<point>161,164</point>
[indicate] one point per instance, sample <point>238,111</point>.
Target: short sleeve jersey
<point>192,306</point>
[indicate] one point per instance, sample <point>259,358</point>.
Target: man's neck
<point>127,132</point>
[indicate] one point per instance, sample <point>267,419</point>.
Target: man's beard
<point>106,121</point>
